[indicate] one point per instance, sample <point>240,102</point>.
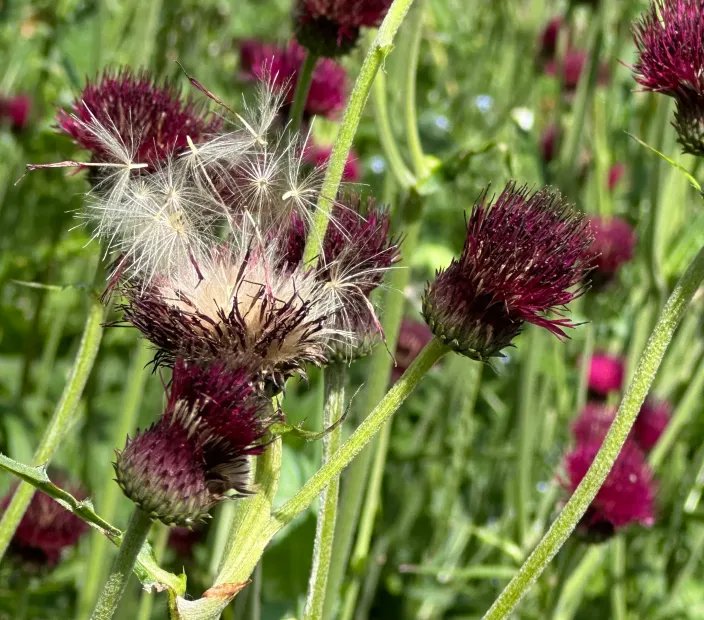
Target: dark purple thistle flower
<point>549,38</point>
<point>525,255</point>
<point>626,497</point>
<point>593,423</point>
<point>183,539</point>
<point>330,28</point>
<point>46,529</point>
<point>653,418</point>
<point>549,143</point>
<point>318,156</point>
<point>570,67</point>
<point>606,373</point>
<point>236,308</point>
<point>16,110</point>
<point>149,118</point>
<point>412,338</point>
<point>282,66</point>
<point>197,452</point>
<point>613,246</point>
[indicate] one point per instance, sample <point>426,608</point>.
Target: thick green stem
<point>377,384</point>
<point>379,50</point>
<point>300,95</point>
<point>132,540</point>
<point>85,358</point>
<point>126,424</point>
<point>364,433</point>
<point>630,406</point>
<point>147,603</point>
<point>335,379</point>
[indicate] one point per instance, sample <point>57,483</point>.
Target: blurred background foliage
<point>464,499</point>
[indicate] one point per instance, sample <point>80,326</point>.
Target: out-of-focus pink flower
<point>606,373</point>
<point>569,69</point>
<point>616,173</point>
<point>548,38</point>
<point>412,337</point>
<point>614,244</point>
<point>282,65</point>
<point>653,418</point>
<point>549,143</point>
<point>593,422</point>
<point>16,110</point>
<point>319,156</point>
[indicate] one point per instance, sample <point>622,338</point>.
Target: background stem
<point>630,406</point>
<point>300,95</point>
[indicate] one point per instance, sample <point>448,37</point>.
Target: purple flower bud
<point>330,28</point>
<point>570,67</point>
<point>326,96</point>
<point>16,110</point>
<point>525,255</point>
<point>197,452</point>
<point>626,497</point>
<point>147,117</point>
<point>412,338</point>
<point>46,529</point>
<point>549,37</point>
<point>606,373</point>
<point>614,244</point>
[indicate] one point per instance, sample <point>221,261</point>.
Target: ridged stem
<point>335,380</point>
<point>82,366</point>
<point>603,462</point>
<point>381,47</point>
<point>132,540</point>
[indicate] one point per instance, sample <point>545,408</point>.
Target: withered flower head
<point>330,28</point>
<point>326,96</point>
<point>627,495</point>
<point>525,255</point>
<point>606,373</point>
<point>614,244</point>
<point>46,529</point>
<point>122,110</point>
<point>235,306</point>
<point>197,453</point>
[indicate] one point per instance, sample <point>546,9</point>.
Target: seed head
<point>606,374</point>
<point>330,28</point>
<point>613,246</point>
<point>197,453</point>
<point>46,529</point>
<point>134,110</point>
<point>653,418</point>
<point>525,255</point>
<point>627,495</point>
<point>326,96</point>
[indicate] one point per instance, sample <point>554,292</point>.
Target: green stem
<point>379,50</point>
<point>300,95</point>
<point>619,610</point>
<point>335,379</point>
<point>87,352</point>
<point>397,166</point>
<point>630,406</point>
<point>415,25</point>
<point>526,433</point>
<point>147,602</point>
<point>132,398</point>
<point>377,383</point>
<point>433,351</point>
<point>132,540</point>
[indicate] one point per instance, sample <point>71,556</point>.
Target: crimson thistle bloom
<point>46,530</point>
<point>613,246</point>
<point>626,497</point>
<point>196,455</point>
<point>282,65</point>
<point>570,67</point>
<point>525,255</point>
<point>653,418</point>
<point>412,338</point>
<point>606,374</point>
<point>134,111</point>
<point>331,27</point>
<point>16,110</point>
<point>320,155</point>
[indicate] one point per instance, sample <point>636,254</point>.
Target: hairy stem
<point>132,540</point>
<point>85,358</point>
<point>300,95</point>
<point>335,380</point>
<point>147,603</point>
<point>603,462</point>
<point>379,50</point>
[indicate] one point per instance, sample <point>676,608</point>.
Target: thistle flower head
<point>653,418</point>
<point>593,423</point>
<point>689,123</point>
<point>613,246</point>
<point>320,155</point>
<point>606,373</point>
<point>282,65</point>
<point>525,255</point>
<point>616,173</point>
<point>627,495</point>
<point>330,28</point>
<point>569,69</point>
<point>235,305</point>
<point>16,110</point>
<point>549,142</point>
<point>133,110</point>
<point>196,454</point>
<point>548,38</point>
<point>46,529</point>
<point>412,338</point>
